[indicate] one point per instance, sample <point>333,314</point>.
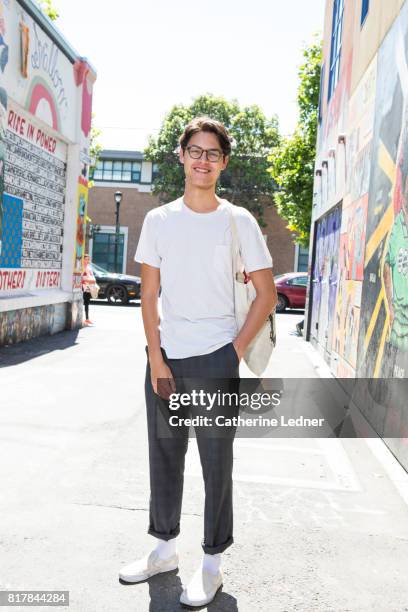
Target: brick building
<point>129,173</point>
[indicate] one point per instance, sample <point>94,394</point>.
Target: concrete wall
<point>28,323</point>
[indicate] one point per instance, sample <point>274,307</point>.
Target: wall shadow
<point>20,352</point>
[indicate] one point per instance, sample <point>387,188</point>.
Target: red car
<point>291,290</point>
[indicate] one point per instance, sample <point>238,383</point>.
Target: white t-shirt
<point>193,252</point>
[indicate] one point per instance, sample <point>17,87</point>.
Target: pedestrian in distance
<point>185,252</point>
<point>88,279</point>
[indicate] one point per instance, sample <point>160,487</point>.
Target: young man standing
<point>185,248</point>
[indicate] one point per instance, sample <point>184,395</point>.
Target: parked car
<point>116,288</point>
<point>291,289</point>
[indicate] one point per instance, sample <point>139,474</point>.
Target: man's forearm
<point>150,315</point>
<point>259,311</point>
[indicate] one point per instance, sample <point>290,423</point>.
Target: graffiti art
<point>383,341</point>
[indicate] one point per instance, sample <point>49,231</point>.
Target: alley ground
<point>320,525</point>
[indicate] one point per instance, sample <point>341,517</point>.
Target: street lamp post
<point>118,199</point>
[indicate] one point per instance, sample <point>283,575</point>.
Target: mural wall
<point>45,112</point>
<point>325,278</point>
<point>357,315</point>
<point>329,201</point>
<point>344,353</point>
<point>383,342</point>
<point>362,165</point>
<point>33,205</point>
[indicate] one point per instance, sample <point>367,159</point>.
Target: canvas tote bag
<point>260,349</point>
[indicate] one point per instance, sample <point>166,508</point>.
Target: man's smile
<point>202,170</point>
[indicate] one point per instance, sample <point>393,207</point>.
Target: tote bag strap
<point>235,241</point>
<point>235,250</point>
<point>235,246</point>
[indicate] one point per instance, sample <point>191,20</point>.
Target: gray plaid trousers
<point>167,454</point>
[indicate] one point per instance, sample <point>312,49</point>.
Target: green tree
<point>246,178</point>
<point>95,148</point>
<point>292,161</point>
<point>48,7</point>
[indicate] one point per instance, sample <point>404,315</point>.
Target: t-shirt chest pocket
<point>222,259</point>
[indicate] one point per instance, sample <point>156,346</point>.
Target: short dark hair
<point>206,124</point>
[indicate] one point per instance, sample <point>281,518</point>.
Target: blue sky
<point>152,54</point>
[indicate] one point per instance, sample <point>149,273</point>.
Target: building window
<point>127,171</point>
<point>103,250</point>
<point>117,171</point>
<point>302,259</point>
<point>136,172</point>
<point>335,51</point>
<point>155,171</point>
<point>364,10</point>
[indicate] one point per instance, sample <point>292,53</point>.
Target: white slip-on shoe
<point>202,588</point>
<point>148,566</point>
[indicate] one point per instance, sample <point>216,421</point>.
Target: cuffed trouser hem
<point>164,536</point>
<point>214,550</point>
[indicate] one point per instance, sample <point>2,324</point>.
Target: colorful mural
<point>45,120</point>
<point>83,76</point>
<point>383,342</point>
<point>41,103</point>
<point>33,204</point>
<point>84,80</point>
<point>41,79</point>
<point>3,113</point>
<point>80,232</point>
<point>325,277</point>
<point>363,152</point>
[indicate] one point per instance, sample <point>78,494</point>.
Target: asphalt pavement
<point>321,525</point>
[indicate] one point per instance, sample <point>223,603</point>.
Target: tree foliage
<point>95,148</point>
<point>292,161</point>
<point>246,178</point>
<point>48,7</point>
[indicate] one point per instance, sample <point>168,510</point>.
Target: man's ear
<point>181,156</point>
<point>225,162</point>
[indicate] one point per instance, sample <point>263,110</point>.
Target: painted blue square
<point>12,234</point>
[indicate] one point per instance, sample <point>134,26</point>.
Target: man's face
<point>202,173</point>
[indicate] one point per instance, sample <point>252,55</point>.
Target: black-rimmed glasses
<point>196,152</point>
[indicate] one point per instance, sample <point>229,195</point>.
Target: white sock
<point>166,548</point>
<point>212,563</point>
